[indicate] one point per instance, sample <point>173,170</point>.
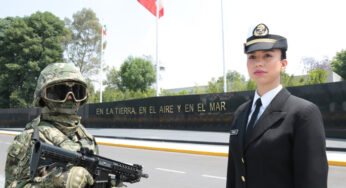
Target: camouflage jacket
<point>17,169</point>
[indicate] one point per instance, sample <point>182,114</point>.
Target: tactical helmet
<point>55,73</point>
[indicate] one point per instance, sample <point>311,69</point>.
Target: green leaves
<point>132,81</point>
<point>339,63</point>
<point>83,42</point>
<point>136,74</point>
<point>16,101</point>
<point>235,82</point>
<point>13,66</point>
<point>27,45</point>
<point>317,76</point>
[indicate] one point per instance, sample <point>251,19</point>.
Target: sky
<point>190,32</point>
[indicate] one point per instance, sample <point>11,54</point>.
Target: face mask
<point>69,107</point>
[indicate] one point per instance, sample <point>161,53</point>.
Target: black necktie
<point>253,118</point>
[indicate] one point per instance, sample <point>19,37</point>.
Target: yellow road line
<point>333,163</point>
<point>12,134</point>
<point>330,162</point>
<point>337,163</point>
<point>165,149</point>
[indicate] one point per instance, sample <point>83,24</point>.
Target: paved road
<point>165,169</point>
<point>171,170</point>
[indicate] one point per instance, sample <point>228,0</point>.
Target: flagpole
<point>101,63</point>
<point>223,53</point>
<point>157,49</point>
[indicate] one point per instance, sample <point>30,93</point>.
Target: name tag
<point>234,132</point>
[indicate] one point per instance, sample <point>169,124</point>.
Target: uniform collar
<point>267,97</point>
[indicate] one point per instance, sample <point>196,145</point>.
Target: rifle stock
<point>102,169</point>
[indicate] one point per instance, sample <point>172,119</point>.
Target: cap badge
<point>261,30</point>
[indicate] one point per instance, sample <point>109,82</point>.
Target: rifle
<point>103,170</point>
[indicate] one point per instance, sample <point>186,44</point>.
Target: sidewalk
<point>201,137</point>
<point>196,142</point>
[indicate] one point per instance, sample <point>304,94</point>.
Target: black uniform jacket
<point>285,150</point>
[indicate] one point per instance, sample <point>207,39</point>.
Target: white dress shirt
<point>266,99</point>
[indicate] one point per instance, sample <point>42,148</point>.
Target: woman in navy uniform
<point>277,140</point>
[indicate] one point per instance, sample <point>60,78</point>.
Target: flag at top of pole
<point>151,6</point>
<point>104,30</point>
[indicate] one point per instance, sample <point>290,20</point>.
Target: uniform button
<point>242,160</point>
<point>243,178</point>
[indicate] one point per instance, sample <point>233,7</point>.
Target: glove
<point>113,183</point>
<point>119,186</point>
<point>78,177</point>
<point>122,186</point>
<point>73,177</point>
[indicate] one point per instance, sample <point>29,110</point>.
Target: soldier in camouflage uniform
<point>60,91</point>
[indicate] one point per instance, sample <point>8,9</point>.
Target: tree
<point>317,76</point>
<point>111,94</point>
<point>311,63</point>
<point>215,86</point>
<point>198,90</point>
<point>250,85</point>
<point>132,81</point>
<point>136,74</point>
<point>84,45</point>
<point>113,79</point>
<point>235,81</point>
<point>339,63</point>
<point>94,96</point>
<point>27,46</point>
<point>289,80</point>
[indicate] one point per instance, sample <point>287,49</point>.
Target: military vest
<point>19,153</point>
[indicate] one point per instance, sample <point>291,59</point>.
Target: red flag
<point>151,6</point>
<point>104,30</point>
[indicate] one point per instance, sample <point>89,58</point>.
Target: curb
<point>330,162</point>
<point>222,154</point>
<point>11,134</point>
<point>165,140</point>
<point>337,163</point>
<point>165,149</point>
